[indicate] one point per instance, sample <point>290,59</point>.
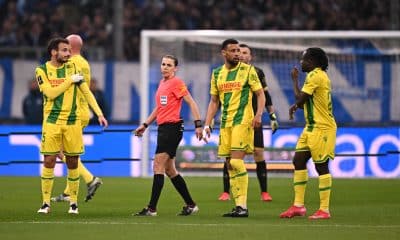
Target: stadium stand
<point>31,23</point>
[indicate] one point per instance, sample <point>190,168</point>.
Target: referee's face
<point>168,68</point>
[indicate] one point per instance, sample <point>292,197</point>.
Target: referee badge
<point>163,100</point>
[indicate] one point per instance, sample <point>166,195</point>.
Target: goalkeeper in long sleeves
<point>246,56</point>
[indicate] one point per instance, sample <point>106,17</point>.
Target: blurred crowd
<point>33,22</point>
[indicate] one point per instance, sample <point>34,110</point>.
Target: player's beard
<point>61,59</point>
<point>233,61</point>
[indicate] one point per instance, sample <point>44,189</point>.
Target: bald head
<point>76,43</point>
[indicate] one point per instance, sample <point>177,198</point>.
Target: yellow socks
<point>83,172</point>
<point>300,179</point>
<point>239,181</point>
<point>325,184</point>
<point>300,182</point>
<point>73,183</point>
<point>47,180</point>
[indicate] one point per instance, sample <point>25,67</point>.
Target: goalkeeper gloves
<point>273,122</point>
<point>76,78</point>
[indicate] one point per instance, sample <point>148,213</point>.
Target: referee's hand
<point>139,131</point>
<point>199,133</point>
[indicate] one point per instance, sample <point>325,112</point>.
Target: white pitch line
<point>209,224</point>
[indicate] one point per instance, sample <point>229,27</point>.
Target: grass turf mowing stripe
<point>205,224</point>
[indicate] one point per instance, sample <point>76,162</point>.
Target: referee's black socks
<point>180,185</point>
<point>158,183</point>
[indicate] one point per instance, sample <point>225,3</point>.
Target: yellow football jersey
<point>318,108</point>
<point>62,108</point>
<point>235,89</point>
<point>83,106</point>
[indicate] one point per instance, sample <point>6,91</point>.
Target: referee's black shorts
<point>258,138</point>
<point>169,136</point>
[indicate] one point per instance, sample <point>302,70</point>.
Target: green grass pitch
<point>360,208</point>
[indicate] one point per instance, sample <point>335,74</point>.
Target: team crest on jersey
<point>254,78</point>
<point>163,100</point>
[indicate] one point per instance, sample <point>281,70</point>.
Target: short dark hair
<point>244,45</point>
<point>227,42</point>
<point>53,44</point>
<point>173,58</point>
<point>318,57</point>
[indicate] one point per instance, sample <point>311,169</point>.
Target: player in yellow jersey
<point>232,87</point>
<point>59,81</point>
<point>92,182</point>
<point>318,138</point>
<point>261,170</point>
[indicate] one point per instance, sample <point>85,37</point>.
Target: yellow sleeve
<point>83,67</point>
<point>83,87</point>
<point>254,81</point>
<point>46,88</point>
<point>213,85</point>
<point>311,83</point>
<point>88,75</point>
